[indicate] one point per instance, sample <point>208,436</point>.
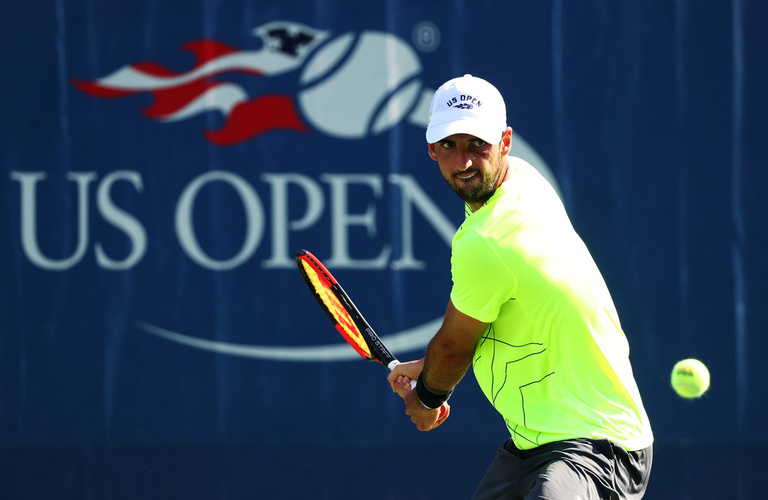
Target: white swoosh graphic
<point>405,341</point>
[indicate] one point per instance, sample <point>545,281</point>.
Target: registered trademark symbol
<point>426,36</point>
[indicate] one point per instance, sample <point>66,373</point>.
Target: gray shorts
<point>585,469</point>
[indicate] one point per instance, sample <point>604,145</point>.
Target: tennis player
<point>531,313</point>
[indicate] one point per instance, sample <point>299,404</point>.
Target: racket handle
<point>443,407</point>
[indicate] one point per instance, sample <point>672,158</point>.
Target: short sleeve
<point>482,282</point>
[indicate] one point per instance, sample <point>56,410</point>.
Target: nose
<point>464,160</point>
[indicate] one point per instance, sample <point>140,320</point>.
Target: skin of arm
<point>448,357</point>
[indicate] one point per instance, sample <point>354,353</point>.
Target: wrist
<point>430,398</point>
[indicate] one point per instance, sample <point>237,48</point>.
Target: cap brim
<point>478,128</point>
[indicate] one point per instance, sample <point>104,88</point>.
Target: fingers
<point>404,373</point>
<point>425,419</point>
<point>410,369</point>
<point>400,379</point>
<point>428,419</point>
<point>395,379</point>
<point>401,385</point>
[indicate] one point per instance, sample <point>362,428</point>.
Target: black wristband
<point>431,398</point>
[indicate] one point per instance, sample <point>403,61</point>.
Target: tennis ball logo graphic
<point>690,378</point>
<point>360,85</point>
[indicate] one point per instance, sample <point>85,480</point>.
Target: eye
<point>446,144</point>
<point>478,143</point>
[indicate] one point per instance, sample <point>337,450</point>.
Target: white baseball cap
<point>467,105</point>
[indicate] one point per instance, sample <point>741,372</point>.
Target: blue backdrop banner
<point>163,160</point>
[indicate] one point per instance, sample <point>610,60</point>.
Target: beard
<point>476,190</point>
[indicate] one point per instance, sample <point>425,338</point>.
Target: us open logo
<point>347,89</point>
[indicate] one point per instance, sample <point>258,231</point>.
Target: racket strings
<point>344,323</point>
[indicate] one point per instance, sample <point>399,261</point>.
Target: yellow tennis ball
<point>690,378</point>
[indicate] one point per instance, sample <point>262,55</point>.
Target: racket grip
<point>443,407</point>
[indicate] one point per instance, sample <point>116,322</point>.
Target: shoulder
<point>471,241</point>
<point>527,173</point>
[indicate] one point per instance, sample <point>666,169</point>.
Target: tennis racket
<point>344,315</point>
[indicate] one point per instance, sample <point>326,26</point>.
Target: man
<point>530,311</point>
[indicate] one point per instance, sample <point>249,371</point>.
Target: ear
<point>506,141</point>
<point>432,152</point>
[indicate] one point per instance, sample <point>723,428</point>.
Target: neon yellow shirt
<point>554,360</point>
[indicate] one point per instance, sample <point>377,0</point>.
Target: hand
<point>425,419</point>
<point>400,378</point>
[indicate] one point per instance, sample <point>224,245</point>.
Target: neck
<point>504,174</point>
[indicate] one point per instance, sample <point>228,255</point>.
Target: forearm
<point>448,357</point>
<point>449,354</point>
<point>444,364</point>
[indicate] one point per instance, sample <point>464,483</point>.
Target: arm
<point>449,356</point>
